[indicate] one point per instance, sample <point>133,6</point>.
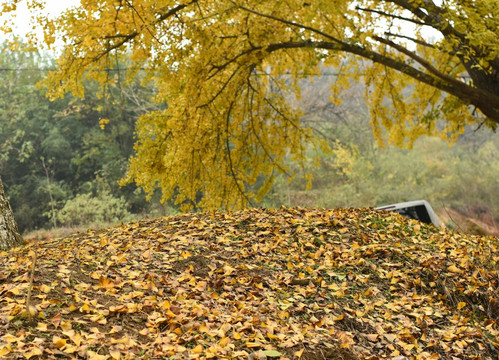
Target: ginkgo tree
<point>226,68</point>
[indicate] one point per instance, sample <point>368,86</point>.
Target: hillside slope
<point>257,284</point>
<point>471,223</point>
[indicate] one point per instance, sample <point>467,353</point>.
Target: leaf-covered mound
<point>287,283</point>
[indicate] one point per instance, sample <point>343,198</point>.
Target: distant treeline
<point>358,172</point>
<point>60,161</point>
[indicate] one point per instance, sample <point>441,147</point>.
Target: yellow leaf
<point>453,269</point>
<point>66,326</point>
<point>271,336</point>
<point>299,353</point>
<point>76,339</point>
<point>198,349</point>
<point>115,329</point>
<point>252,344</point>
<point>15,291</point>
<point>390,337</point>
<point>106,283</point>
<point>5,350</point>
<point>211,352</point>
<point>45,289</point>
<point>34,351</point>
<point>338,318</point>
<point>407,347</point>
<point>9,338</point>
<point>32,310</point>
<point>461,305</point>
<point>71,349</point>
<point>91,355</point>
<point>123,340</point>
<point>243,354</point>
<point>58,342</point>
<point>224,341</point>
<point>103,123</point>
<point>95,275</point>
<point>115,354</point>
<point>203,328</point>
<point>146,256</point>
<point>228,270</point>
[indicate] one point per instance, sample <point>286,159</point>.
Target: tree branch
<point>233,59</point>
<point>414,40</point>
<point>392,16</point>
<point>142,19</point>
<point>420,60</point>
<point>483,99</point>
<point>252,125</point>
<point>432,17</point>
<point>358,50</point>
<point>131,36</point>
<point>292,23</point>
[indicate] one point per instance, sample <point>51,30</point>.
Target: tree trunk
<point>9,233</point>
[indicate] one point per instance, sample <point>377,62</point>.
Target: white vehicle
<point>420,210</point>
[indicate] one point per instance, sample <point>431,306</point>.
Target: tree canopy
<point>227,67</point>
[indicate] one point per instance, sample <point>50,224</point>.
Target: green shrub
<point>86,209</point>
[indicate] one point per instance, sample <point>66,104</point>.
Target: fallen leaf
<point>272,353</point>
<point>453,269</point>
<point>299,353</point>
<point>115,354</point>
<point>58,342</point>
<point>5,350</point>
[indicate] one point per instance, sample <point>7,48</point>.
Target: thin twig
<point>229,156</point>
<point>392,16</point>
<point>30,286</point>
<point>451,218</point>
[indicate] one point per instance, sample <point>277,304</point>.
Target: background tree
<point>359,173</point>
<point>53,152</point>
<point>9,233</point>
<point>218,64</point>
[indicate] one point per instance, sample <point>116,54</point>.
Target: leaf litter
<point>255,284</point>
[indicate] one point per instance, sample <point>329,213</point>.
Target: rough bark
<point>9,233</point>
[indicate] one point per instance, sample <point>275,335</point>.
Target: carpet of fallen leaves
<point>256,284</point>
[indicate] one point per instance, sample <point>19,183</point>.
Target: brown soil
<point>474,223</point>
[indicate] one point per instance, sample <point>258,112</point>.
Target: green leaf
<point>272,353</point>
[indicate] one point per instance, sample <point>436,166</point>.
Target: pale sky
<point>52,8</point>
<point>55,7</point>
